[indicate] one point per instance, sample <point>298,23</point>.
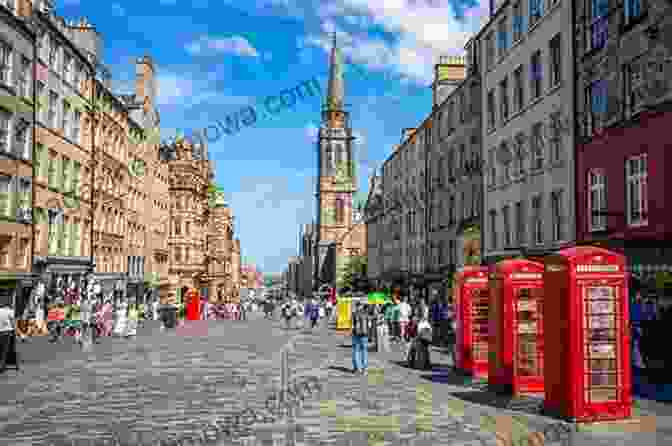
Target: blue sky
<point>215,56</point>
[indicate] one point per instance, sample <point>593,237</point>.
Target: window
<point>53,55</point>
<point>537,220</point>
<point>5,196</point>
<point>38,161</point>
<point>502,37</point>
<point>55,222</point>
<point>517,22</point>
<point>599,23</point>
<point>51,112</point>
<point>76,173</point>
<point>76,122</point>
<point>493,229</point>
<point>65,119</point>
<point>24,193</point>
<point>537,143</point>
<point>518,154</point>
<point>520,223</point>
<point>492,168</point>
<point>451,210</point>
<point>489,50</point>
<point>556,215</point>
<point>506,162</point>
<point>340,211</point>
<point>596,98</point>
<point>636,176</point>
<point>5,118</point>
<point>507,226</point>
<point>40,99</point>
<point>450,119</point>
<point>5,63</point>
<point>633,10</point>
<point>597,200</point>
<point>518,98</point>
<point>51,174</point>
<point>24,78</point>
<point>536,75</point>
<point>491,110</point>
<point>555,49</point>
<point>65,174</point>
<point>21,137</point>
<point>536,11</point>
<point>463,107</point>
<point>474,99</point>
<point>504,99</point>
<point>556,129</point>
<point>67,67</point>
<point>465,206</point>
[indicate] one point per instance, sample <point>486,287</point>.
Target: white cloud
<point>235,45</point>
<point>118,10</point>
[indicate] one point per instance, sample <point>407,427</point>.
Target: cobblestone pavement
<point>164,384</point>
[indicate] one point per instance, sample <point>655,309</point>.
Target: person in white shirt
<point>7,335</point>
<point>404,317</point>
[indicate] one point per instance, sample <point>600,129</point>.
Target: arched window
<point>340,210</point>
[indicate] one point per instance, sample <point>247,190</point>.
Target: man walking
<point>360,340</point>
<point>404,318</point>
<point>86,318</point>
<point>314,310</point>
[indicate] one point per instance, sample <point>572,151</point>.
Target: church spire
<point>335,91</point>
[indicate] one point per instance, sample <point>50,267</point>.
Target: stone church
<point>341,232</point>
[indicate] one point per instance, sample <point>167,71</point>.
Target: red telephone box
<point>471,317</point>
<point>516,359</point>
<point>587,375</point>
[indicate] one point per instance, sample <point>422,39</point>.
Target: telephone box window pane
<point>479,324</point>
<point>601,322</point>
<point>528,353</point>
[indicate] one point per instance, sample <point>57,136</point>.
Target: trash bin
<point>168,316</point>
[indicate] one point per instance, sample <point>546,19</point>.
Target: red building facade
<point>624,198</point>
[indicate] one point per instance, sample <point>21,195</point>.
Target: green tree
<point>353,272</point>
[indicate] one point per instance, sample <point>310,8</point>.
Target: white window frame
<point>537,145</point>
<point>5,130</point>
<point>639,180</point>
<point>52,109</point>
<point>6,51</point>
<point>557,215</point>
<point>537,220</point>
<point>597,189</point>
<point>25,77</point>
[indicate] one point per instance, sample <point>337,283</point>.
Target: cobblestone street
<point>167,385</point>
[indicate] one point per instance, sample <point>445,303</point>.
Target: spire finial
<point>335,91</point>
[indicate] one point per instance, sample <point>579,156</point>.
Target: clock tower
<point>337,181</point>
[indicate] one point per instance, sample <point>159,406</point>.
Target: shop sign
<point>597,268</point>
<point>526,276</point>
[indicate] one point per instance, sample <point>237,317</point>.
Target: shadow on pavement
<point>531,405</point>
<point>339,368</point>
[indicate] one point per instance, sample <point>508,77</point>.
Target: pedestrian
<point>205,304</point>
<point>86,317</point>
<point>287,311</point>
<point>132,324</point>
<point>8,354</point>
<point>121,322</point>
<point>155,309</point>
<point>56,318</point>
<point>405,312</point>
<point>382,333</point>
<point>314,313</point>
<point>360,341</point>
<point>243,311</point>
<point>418,352</point>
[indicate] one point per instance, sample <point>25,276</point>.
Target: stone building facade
<point>375,230</point>
<point>528,140</point>
<point>455,186</point>
<point>16,157</point>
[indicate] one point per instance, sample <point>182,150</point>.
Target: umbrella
<point>378,298</point>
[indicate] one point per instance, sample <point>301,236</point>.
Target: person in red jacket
<point>193,306</point>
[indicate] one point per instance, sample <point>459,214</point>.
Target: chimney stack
<point>448,73</point>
